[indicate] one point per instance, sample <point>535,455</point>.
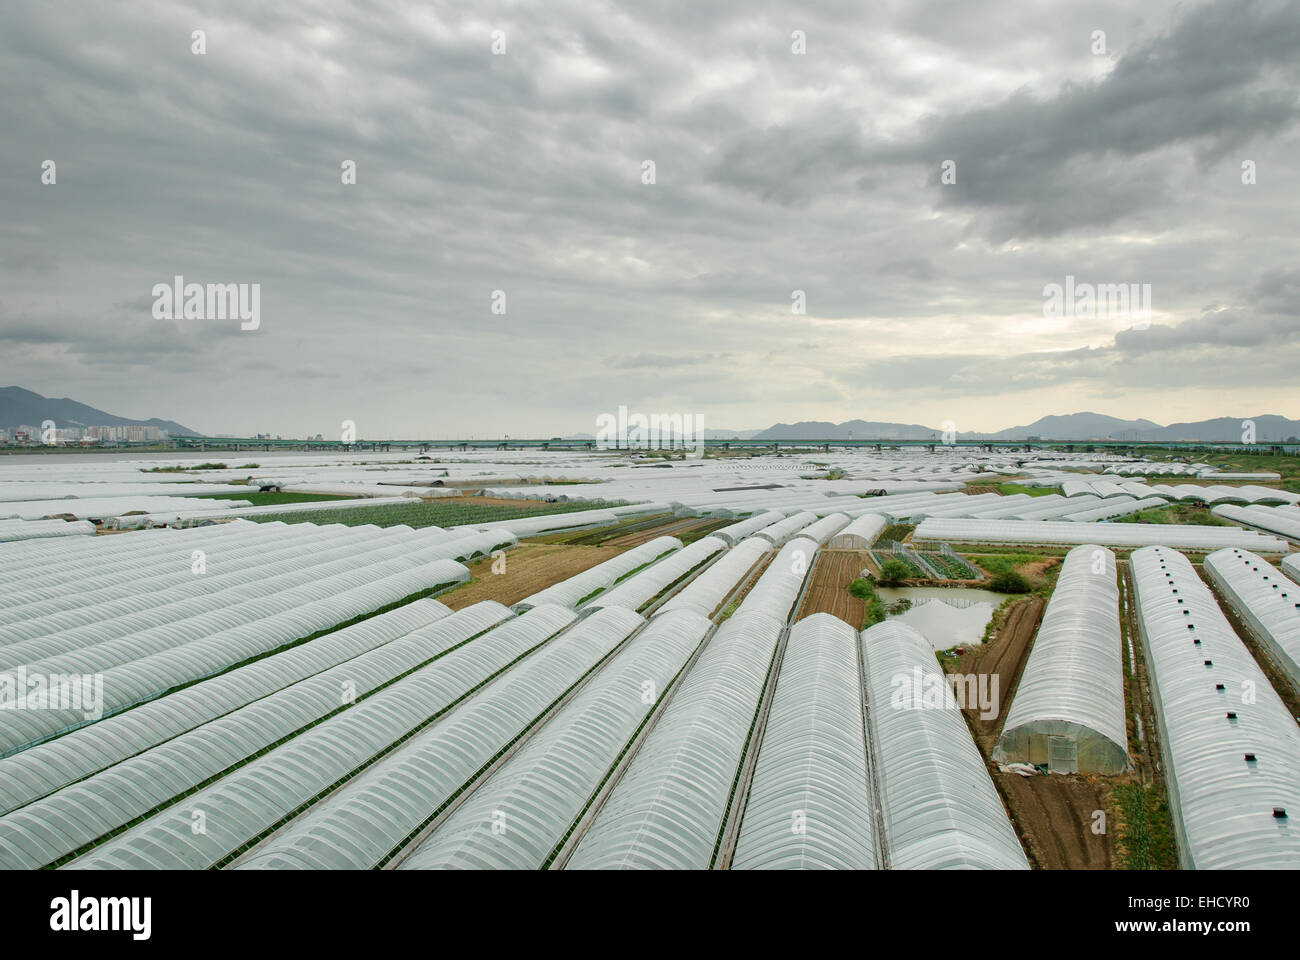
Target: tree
<point>893,570</point>
<point>1009,582</point>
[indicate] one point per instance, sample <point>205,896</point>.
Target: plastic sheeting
<point>1231,749</point>
<point>1265,600</point>
<point>669,808</point>
<point>941,810</point>
<point>1069,705</point>
<point>375,814</point>
<point>254,798</point>
<point>519,818</point>
<point>810,804</point>
<point>705,593</point>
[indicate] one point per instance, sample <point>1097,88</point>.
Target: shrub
<point>893,570</point>
<point>1009,582</point>
<point>862,589</point>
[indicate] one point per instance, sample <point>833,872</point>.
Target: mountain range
<point>19,407</point>
<point>1074,426</point>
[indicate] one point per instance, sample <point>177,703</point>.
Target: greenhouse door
<point>1063,754</point>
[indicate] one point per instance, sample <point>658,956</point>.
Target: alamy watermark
<point>627,431</point>
<point>213,301</point>
<point>23,690</point>
<point>1071,300</point>
<point>920,690</point>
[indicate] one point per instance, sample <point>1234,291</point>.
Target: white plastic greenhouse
<point>35,773</point>
<point>519,818</point>
<point>782,530</point>
<point>1231,748</point>
<point>738,531</point>
<point>1108,534</point>
<point>1266,601</point>
<point>706,592</point>
<point>810,804</point>
<point>941,810</point>
<point>1068,711</point>
<point>778,588</point>
<point>368,820</point>
<point>255,798</point>
<point>825,528</point>
<point>669,808</point>
<point>571,592</point>
<point>154,777</point>
<point>639,589</point>
<point>860,534</point>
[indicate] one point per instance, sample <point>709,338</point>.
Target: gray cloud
<point>522,173</point>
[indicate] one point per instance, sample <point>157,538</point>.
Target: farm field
<point>445,512</point>
<point>530,567</point>
<point>828,590</point>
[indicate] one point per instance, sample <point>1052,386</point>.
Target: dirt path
<point>1003,656</point>
<point>528,568</point>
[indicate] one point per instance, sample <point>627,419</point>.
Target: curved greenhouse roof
<point>135,787</point>
<point>156,673</point>
<point>860,534</point>
<point>669,808</point>
<point>1267,602</point>
<point>1069,705</point>
<point>782,530</point>
<point>810,804</point>
<point>253,799</point>
<point>941,810</point>
<point>521,816</point>
<point>374,815</point>
<point>571,592</point>
<point>1231,760</point>
<point>705,593</point>
<point>41,770</point>
<point>1108,534</point>
<point>778,588</point>
<point>639,589</point>
<point>738,531</point>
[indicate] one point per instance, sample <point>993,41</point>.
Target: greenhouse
<point>1279,520</point>
<point>941,810</point>
<point>153,778</point>
<point>1232,761</point>
<point>706,593</point>
<point>860,534</point>
<point>1107,534</point>
<point>13,531</point>
<point>736,532</point>
<point>778,588</point>
<point>520,817</point>
<point>669,808</point>
<point>1068,711</point>
<point>1266,601</point>
<point>810,804</point>
<point>375,814</point>
<point>825,528</point>
<point>639,589</point>
<point>777,533</point>
<point>573,591</point>
<point>256,797</point>
<point>173,665</point>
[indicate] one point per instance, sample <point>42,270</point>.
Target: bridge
<point>771,446</point>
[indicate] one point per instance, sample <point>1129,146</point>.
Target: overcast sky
<point>775,171</point>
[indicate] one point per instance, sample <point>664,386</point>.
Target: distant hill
<point>1074,426</point>
<point>19,407</point>
<point>850,429</point>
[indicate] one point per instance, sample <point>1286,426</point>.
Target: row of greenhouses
<point>1231,748</point>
